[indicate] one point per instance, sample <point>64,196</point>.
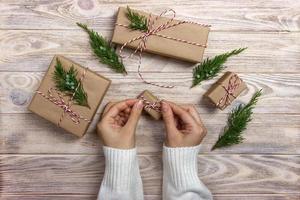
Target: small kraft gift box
<point>69,95</point>
<point>179,39</point>
<point>151,104</point>
<point>225,90</point>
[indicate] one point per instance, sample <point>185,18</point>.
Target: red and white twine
<point>155,31</point>
<point>233,84</point>
<point>151,105</point>
<point>65,106</point>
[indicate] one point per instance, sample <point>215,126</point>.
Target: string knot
<point>60,102</point>
<point>66,107</point>
<point>151,105</point>
<point>152,30</point>
<point>233,84</point>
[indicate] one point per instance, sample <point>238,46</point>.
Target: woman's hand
<point>118,124</point>
<point>183,125</point>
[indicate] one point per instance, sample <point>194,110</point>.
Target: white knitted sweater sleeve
<point>180,179</point>
<point>122,179</point>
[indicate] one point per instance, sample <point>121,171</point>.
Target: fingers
<point>115,109</point>
<point>181,113</point>
<point>107,107</point>
<point>168,117</point>
<point>135,115</point>
<point>193,112</point>
<point>196,116</point>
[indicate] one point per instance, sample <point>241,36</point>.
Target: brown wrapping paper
<point>95,86</point>
<point>217,91</point>
<point>163,46</point>
<point>151,98</point>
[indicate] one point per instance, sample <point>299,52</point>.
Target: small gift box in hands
<point>225,90</point>
<point>151,104</point>
<point>69,95</point>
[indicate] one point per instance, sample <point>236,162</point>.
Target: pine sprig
<point>237,123</point>
<point>209,68</point>
<point>104,51</point>
<point>137,21</point>
<point>66,82</point>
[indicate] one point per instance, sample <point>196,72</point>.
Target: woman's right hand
<point>118,123</point>
<point>184,127</point>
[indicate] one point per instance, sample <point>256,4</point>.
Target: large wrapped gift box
<point>59,107</point>
<point>188,43</point>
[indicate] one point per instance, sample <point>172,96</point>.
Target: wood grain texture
<point>265,167</point>
<point>32,50</point>
<point>267,133</point>
<point>257,197</point>
<point>281,93</point>
<point>50,197</point>
<point>224,174</point>
<point>259,15</point>
<point>155,197</point>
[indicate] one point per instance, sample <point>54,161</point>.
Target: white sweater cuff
<point>181,165</point>
<point>120,164</point>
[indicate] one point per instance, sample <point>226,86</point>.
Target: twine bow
<point>151,105</point>
<point>65,106</point>
<point>152,30</point>
<point>233,84</point>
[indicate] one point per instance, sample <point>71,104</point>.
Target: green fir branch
<point>237,123</point>
<point>104,51</point>
<point>66,82</point>
<point>137,21</point>
<point>209,68</point>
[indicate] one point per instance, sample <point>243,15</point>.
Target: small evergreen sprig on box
<point>137,21</point>
<point>66,82</point>
<point>104,51</point>
<point>209,68</point>
<point>237,123</point>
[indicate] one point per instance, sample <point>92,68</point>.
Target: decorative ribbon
<point>233,84</point>
<point>155,31</point>
<point>150,105</point>
<point>66,106</point>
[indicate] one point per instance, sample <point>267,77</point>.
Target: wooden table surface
<point>40,161</point>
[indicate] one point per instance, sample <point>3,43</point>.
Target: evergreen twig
<point>237,123</point>
<point>209,68</point>
<point>137,21</point>
<point>104,51</point>
<point>66,82</point>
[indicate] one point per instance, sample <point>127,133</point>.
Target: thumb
<point>135,115</point>
<point>168,118</point>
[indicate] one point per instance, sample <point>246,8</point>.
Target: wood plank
<point>267,133</point>
<point>32,50</point>
<point>31,32</point>
<point>155,197</point>
<point>242,197</point>
<point>223,174</point>
<point>247,15</point>
<point>257,197</point>
<point>281,91</point>
<point>48,197</point>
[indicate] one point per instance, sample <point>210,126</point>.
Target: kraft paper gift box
<point>150,100</point>
<point>190,32</point>
<point>225,90</point>
<point>75,118</point>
